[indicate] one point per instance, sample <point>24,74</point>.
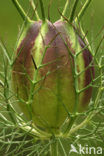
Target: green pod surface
<point>45,73</point>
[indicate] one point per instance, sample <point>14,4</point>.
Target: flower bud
<point>50,73</point>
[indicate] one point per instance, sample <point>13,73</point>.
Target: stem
<point>71,122</point>
<point>34,8</point>
<point>64,151</point>
<point>73,130</point>
<point>42,10</point>
<point>84,8</point>
<point>34,131</point>
<point>73,10</point>
<point>65,9</point>
<point>54,148</point>
<point>5,51</point>
<point>76,85</point>
<point>21,11</point>
<point>90,116</point>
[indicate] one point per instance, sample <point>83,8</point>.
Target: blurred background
<point>10,20</point>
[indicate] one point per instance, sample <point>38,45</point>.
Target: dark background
<point>10,20</point>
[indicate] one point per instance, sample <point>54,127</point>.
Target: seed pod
<point>50,70</point>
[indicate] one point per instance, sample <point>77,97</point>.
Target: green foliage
<point>19,137</point>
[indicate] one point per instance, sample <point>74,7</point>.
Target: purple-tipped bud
<point>44,73</point>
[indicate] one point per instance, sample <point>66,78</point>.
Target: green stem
<point>73,130</point>
<point>76,84</point>
<point>65,9</point>
<point>21,11</point>
<point>5,51</point>
<point>34,8</point>
<point>54,148</point>
<point>89,117</point>
<point>71,122</point>
<point>73,10</point>
<point>84,8</point>
<point>42,10</point>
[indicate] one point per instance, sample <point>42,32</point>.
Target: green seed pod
<point>51,73</point>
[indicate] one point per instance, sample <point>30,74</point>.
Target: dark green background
<point>10,21</point>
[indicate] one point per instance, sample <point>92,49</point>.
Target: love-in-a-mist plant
<point>54,85</point>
